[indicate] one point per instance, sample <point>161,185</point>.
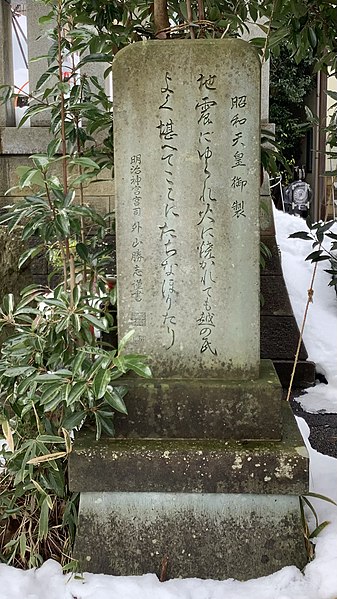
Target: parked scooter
<point>298,195</point>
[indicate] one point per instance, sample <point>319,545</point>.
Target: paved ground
<point>323,429</point>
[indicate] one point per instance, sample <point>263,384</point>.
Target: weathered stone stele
<point>204,470</point>
<point>187,133</point>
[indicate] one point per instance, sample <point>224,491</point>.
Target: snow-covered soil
<point>319,579</point>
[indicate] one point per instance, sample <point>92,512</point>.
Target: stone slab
<point>187,466</point>
<point>273,264</point>
<point>304,374</point>
<point>38,45</point>
<point>24,141</point>
<point>200,536</point>
<point>267,226</point>
<point>279,338</point>
<point>275,299</point>
<point>7,116</point>
<point>203,408</point>
<point>187,171</point>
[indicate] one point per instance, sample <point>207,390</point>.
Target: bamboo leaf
<point>8,303</point>
<point>67,440</point>
<point>44,520</point>
<point>39,488</point>
<point>23,545</point>
<point>323,497</point>
<point>47,457</point>
<point>49,439</point>
<point>7,432</point>
<point>319,529</point>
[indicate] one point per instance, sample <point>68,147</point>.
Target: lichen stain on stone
<point>302,451</point>
<point>284,469</point>
<point>237,463</point>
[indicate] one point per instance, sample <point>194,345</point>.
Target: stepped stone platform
<point>145,500</point>
<point>279,333</point>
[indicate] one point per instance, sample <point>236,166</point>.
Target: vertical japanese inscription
<point>205,107</point>
<point>238,182</point>
<point>167,229</point>
<point>137,257</point>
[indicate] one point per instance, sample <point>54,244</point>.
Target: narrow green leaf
<point>77,363</point>
<point>125,340</point>
<point>99,324</point>
<point>82,251</point>
<point>49,393</point>
<point>140,369</point>
<point>98,426</point>
<point>23,545</point>
<point>8,303</point>
<point>115,400</point>
<point>50,439</point>
<point>101,382</point>
<point>311,508</point>
<point>28,254</point>
<point>77,390</point>
<point>19,370</point>
<point>300,235</point>
<point>44,520</point>
<point>41,161</point>
<point>319,529</point>
<point>86,162</point>
<point>49,377</point>
<point>73,420</point>
<point>323,497</point>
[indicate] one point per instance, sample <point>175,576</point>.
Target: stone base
<point>203,409</point>
<point>216,509</point>
<point>214,536</point>
<point>304,373</point>
<point>192,466</point>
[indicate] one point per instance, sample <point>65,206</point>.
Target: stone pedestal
<point>203,408</point>
<point>215,509</point>
<point>279,331</point>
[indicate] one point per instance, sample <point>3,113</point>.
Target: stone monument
<point>206,469</point>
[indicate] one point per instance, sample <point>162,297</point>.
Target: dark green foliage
<point>290,83</point>
<point>56,374</point>
<point>324,245</point>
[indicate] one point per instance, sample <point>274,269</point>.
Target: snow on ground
<point>320,333</point>
<point>319,580</point>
